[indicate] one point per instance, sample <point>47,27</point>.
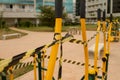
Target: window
<point>22,6</point>
<point>31,7</point>
<point>9,6</point>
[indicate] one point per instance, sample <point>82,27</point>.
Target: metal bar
<point>54,51</point>
<point>39,67</point>
<point>97,42</point>
<point>35,75</point>
<point>83,28</point>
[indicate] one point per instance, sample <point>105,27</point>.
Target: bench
<point>91,50</point>
<point>9,35</point>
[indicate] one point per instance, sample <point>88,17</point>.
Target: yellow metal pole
<point>97,42</point>
<point>109,35</point>
<point>83,28</point>
<point>35,75</point>
<point>54,51</point>
<point>43,64</point>
<point>11,75</point>
<point>57,36</point>
<point>96,49</point>
<point>105,51</point>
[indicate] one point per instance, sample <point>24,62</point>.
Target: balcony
<point>19,14</point>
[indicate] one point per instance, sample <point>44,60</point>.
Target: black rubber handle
<point>82,8</point>
<point>104,15</point>
<point>58,8</point>
<point>99,14</point>
<point>111,16</point>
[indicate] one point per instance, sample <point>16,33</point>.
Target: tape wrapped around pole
<point>5,64</point>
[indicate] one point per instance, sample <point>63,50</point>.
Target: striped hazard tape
<point>16,67</point>
<point>5,64</point>
<point>1,59</point>
<point>23,65</point>
<point>83,42</point>
<point>71,61</point>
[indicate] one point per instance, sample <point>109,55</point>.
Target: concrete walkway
<point>9,48</point>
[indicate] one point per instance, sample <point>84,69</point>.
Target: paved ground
<point>75,52</point>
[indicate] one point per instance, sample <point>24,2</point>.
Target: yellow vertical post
<point>35,75</point>
<point>53,55</point>
<point>105,51</point>
<point>109,35</point>
<point>96,49</point>
<point>54,51</point>
<point>83,28</point>
<point>108,48</point>
<point>97,42</point>
<point>109,32</point>
<point>11,75</point>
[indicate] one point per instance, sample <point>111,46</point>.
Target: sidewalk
<point>71,51</point>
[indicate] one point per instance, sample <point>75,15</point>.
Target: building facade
<point>115,7</point>
<point>91,9</point>
<point>110,6</point>
<point>15,10</point>
<point>24,10</point>
<point>67,4</point>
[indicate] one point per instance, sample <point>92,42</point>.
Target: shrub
<point>25,24</point>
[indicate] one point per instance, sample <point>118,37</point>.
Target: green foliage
<point>25,24</point>
<point>68,21</point>
<point>2,22</point>
<point>47,16</point>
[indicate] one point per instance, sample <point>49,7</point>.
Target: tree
<point>2,22</point>
<point>47,16</point>
<point>1,19</point>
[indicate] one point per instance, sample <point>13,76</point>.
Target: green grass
<point>50,29</point>
<point>91,27</point>
<point>38,29</point>
<point>9,31</point>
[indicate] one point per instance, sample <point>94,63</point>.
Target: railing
<point>39,53</point>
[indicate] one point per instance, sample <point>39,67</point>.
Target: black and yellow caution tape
<point>71,61</point>
<point>60,62</point>
<point>83,42</point>
<point>22,65</point>
<point>1,59</point>
<point>5,64</point>
<point>17,66</point>
<point>91,38</point>
<point>76,41</point>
